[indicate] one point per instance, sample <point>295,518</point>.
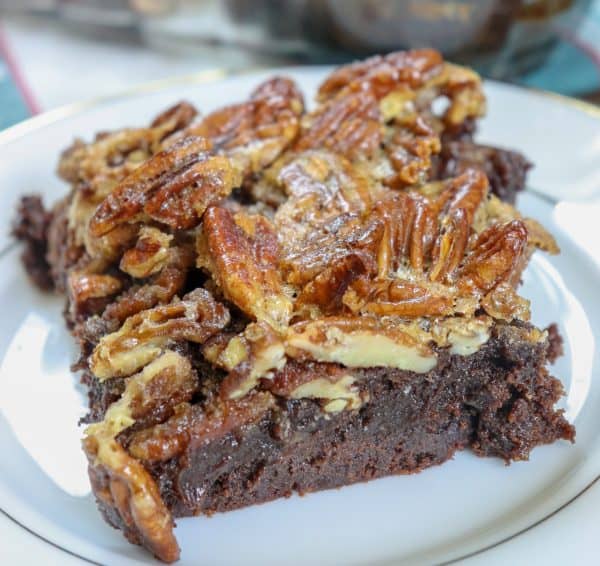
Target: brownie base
<point>506,170</point>
<point>31,226</point>
<point>497,402</point>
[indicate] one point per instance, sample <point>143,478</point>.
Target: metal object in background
<point>501,38</point>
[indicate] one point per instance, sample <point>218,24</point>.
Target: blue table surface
<point>12,105</point>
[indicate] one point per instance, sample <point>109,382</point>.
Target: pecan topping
<point>358,342</point>
<point>244,253</point>
<point>121,479</point>
<point>150,254</point>
<point>320,231</point>
<point>159,289</point>
<point>254,133</point>
<point>174,187</point>
<point>144,336</point>
<point>496,257</point>
<point>384,74</point>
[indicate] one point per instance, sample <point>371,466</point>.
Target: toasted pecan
<point>245,255</point>
<point>160,288</point>
<point>174,187</point>
<point>384,73</point>
<point>254,133</point>
<point>145,335</point>
<point>120,479</point>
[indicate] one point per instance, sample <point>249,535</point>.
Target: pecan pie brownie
<point>272,300</point>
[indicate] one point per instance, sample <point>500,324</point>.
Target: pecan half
<point>358,342</point>
<point>120,480</point>
<point>304,259</point>
<point>451,245</point>
<point>149,255</point>
<point>159,289</point>
<point>84,285</point>
<point>325,190</point>
<point>466,191</point>
<point>403,298</point>
<point>254,133</point>
<point>245,254</point>
<point>113,155</point>
<point>329,179</point>
<point>174,187</point>
<point>90,288</point>
<point>327,289</point>
<point>350,125</point>
<point>145,335</point>
<point>384,73</point>
<point>495,258</point>
<point>409,231</point>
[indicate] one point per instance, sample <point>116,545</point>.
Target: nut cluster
<point>282,245</point>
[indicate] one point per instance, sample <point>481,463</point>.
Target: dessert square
<point>271,300</point>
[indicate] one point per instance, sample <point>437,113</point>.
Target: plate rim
<point>215,75</point>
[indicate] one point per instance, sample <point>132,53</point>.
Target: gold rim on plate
<point>210,76</point>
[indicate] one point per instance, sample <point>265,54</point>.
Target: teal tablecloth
<point>12,104</point>
<point>569,70</point>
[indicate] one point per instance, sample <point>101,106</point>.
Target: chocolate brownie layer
<point>410,422</point>
<point>31,226</point>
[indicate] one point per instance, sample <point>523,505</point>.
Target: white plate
<point>444,513</point>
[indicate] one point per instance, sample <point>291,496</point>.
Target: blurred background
<point>53,52</point>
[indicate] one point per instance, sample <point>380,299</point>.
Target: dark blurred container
<point>501,38</point>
